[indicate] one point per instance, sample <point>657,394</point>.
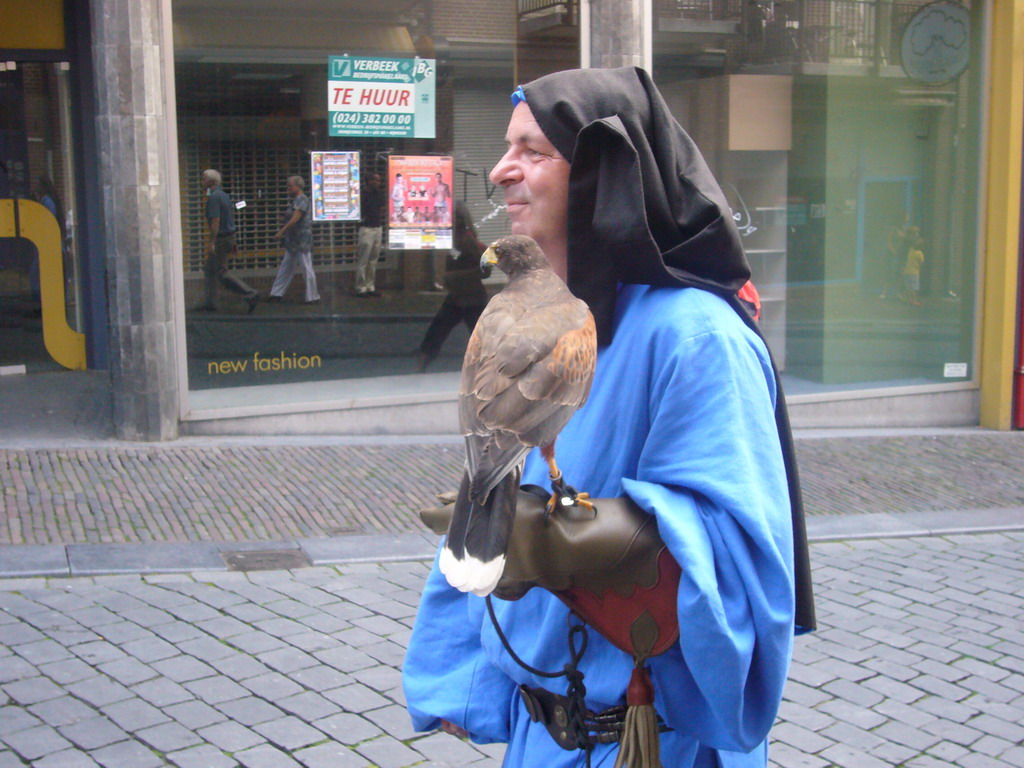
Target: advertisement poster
<point>335,186</point>
<point>381,97</point>
<point>419,202</point>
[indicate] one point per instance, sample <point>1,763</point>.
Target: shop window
<point>845,134</point>
<point>253,104</point>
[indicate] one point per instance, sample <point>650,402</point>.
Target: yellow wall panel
<point>1002,230</point>
<point>36,224</point>
<point>37,24</point>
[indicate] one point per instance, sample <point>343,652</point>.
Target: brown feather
<point>527,369</point>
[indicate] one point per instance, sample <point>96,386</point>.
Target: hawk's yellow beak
<point>488,259</point>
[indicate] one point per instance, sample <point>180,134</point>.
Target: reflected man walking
<point>222,245</point>
<point>370,232</point>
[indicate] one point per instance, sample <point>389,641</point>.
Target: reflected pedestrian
<point>895,258</point>
<point>222,246</point>
<point>463,280</point>
<point>297,237</point>
<point>912,267</point>
<point>370,235</point>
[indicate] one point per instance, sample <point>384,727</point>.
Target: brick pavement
<point>919,662</point>
<point>218,492</point>
<point>899,473</point>
<point>222,491</point>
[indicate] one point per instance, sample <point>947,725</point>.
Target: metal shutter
<point>481,117</point>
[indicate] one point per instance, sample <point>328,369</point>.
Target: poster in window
<point>335,186</point>
<point>419,202</point>
<point>368,96</point>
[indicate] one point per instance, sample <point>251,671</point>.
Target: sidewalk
<point>87,507</point>
<point>918,662</point>
<point>221,602</point>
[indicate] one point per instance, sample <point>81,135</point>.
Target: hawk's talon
<point>549,508</point>
<point>583,500</point>
<point>564,495</point>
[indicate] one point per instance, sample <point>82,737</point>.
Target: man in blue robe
<point>685,417</point>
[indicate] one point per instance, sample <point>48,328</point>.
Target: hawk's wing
<point>527,369</point>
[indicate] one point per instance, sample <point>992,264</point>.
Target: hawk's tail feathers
<point>473,557</point>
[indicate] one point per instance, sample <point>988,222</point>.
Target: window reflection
<point>252,103</point>
<point>825,141</point>
<point>852,173</point>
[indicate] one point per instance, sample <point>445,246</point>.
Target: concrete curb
<point>822,528</point>
<point>57,561</point>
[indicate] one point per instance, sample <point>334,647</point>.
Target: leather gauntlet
<point>609,565</point>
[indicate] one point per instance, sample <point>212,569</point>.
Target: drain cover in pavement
<point>266,560</point>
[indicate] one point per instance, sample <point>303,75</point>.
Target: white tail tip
<point>470,574</point>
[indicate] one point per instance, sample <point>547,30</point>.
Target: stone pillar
<point>618,34</point>
<point>131,136</point>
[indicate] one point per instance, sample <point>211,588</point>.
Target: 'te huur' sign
<point>381,97</point>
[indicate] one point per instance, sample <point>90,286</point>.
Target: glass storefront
<point>844,133</point>
<point>269,91</point>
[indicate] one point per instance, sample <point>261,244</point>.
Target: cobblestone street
<point>919,662</point>
<point>264,490</point>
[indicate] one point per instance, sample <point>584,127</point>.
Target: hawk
<point>528,368</point>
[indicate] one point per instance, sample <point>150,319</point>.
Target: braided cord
<point>577,691</point>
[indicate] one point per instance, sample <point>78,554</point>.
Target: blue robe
<point>680,419</point>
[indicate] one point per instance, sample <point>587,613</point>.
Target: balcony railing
<point>559,13</point>
<point>699,10</point>
<point>803,31</point>
<point>771,31</point>
<point>831,31</point>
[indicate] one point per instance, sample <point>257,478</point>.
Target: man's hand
<point>454,730</point>
<point>211,248</point>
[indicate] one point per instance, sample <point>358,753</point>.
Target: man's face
<point>535,178</point>
<point>293,190</point>
<point>207,182</point>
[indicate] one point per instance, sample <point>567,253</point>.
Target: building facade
<point>870,151</point>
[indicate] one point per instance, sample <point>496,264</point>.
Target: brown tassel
<point>640,746</point>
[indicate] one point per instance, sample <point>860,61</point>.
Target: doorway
<point>37,165</point>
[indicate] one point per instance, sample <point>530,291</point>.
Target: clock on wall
<point>936,43</point>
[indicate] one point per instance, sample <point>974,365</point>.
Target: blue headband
<point>518,96</point>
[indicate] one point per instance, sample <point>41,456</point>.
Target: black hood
<point>643,206</point>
